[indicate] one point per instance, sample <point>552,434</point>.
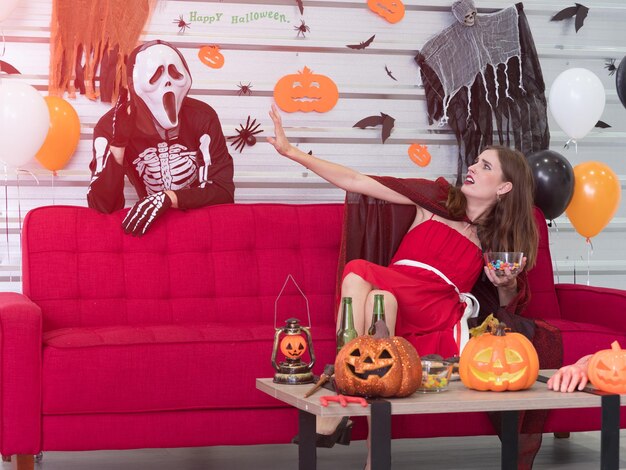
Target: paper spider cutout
<point>244,89</point>
<point>182,24</point>
<point>610,66</point>
<point>245,135</point>
<point>302,29</point>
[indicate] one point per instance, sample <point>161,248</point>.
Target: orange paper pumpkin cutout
<point>391,10</point>
<point>607,369</point>
<point>293,346</point>
<point>211,57</point>
<point>63,135</point>
<point>306,91</point>
<point>419,154</point>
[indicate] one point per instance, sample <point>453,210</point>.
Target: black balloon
<point>620,81</point>
<point>554,182</point>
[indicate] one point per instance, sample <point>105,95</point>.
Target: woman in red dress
<point>441,254</point>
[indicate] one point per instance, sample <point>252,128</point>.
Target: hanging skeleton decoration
<point>174,151</point>
<point>474,71</point>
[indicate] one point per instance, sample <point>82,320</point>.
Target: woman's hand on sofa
<point>570,378</point>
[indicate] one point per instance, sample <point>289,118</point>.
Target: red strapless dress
<point>428,307</point>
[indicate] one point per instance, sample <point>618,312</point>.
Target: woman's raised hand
<point>279,141</point>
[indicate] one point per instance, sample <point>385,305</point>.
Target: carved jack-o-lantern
<point>607,369</point>
<point>419,154</point>
<point>306,91</point>
<point>499,361</point>
<point>293,346</point>
<point>211,56</point>
<point>378,366</point>
<point>391,10</point>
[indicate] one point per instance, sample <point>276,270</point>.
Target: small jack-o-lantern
<point>378,366</point>
<point>419,154</point>
<point>306,91</point>
<point>391,10</point>
<point>607,369</point>
<point>211,56</point>
<point>499,361</point>
<point>293,346</point>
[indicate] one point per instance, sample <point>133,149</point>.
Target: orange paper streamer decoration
<point>88,35</point>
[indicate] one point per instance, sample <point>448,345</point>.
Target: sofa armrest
<point>597,305</point>
<point>20,375</point>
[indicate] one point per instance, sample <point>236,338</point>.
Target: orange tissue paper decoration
<point>306,91</point>
<point>90,38</point>
<point>391,10</point>
<point>419,154</point>
<point>211,57</point>
<point>607,369</point>
<point>63,135</point>
<point>597,194</point>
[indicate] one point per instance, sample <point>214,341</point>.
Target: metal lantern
<point>293,345</point>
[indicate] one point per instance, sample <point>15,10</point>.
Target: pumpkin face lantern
<point>391,10</point>
<point>378,366</point>
<point>499,361</point>
<point>306,91</point>
<point>419,154</point>
<point>293,346</point>
<point>607,369</point>
<point>211,57</point>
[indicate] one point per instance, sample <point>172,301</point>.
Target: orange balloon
<point>63,134</point>
<point>597,194</point>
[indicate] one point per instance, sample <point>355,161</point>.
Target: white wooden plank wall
<point>260,52</point>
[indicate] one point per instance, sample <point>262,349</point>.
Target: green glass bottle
<point>346,332</point>
<point>378,313</point>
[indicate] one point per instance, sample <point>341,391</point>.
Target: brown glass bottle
<point>378,313</point>
<point>346,332</point>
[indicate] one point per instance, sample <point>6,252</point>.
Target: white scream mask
<point>162,81</point>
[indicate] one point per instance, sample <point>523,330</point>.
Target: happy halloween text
<point>196,17</point>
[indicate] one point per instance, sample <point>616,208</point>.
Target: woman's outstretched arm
<point>338,175</point>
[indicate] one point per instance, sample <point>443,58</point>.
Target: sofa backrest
<point>214,264</point>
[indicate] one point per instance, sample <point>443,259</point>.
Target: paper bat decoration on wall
<point>300,6</point>
<point>602,125</point>
<point>5,67</point>
<point>578,10</point>
<point>372,121</point>
<point>362,45</point>
<point>390,74</point>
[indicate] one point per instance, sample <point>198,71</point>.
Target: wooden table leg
<point>23,462</point>
<point>380,434</point>
<point>609,437</point>
<point>509,436</point>
<point>307,451</point>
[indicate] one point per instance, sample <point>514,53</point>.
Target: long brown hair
<point>510,224</point>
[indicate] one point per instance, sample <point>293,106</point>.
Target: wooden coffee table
<point>457,399</point>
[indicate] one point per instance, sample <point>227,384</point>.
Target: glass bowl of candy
<point>435,376</point>
<point>499,261</point>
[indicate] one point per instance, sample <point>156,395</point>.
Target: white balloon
<point>24,122</point>
<point>6,7</point>
<point>576,101</point>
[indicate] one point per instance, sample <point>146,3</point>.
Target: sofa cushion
<point>162,367</point>
<point>580,339</point>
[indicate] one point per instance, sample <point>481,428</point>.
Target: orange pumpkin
<point>378,366</point>
<point>293,346</point>
<point>499,361</point>
<point>306,91</point>
<point>391,10</point>
<point>607,369</point>
<point>211,56</point>
<point>419,154</point>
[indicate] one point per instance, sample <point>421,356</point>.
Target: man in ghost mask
<point>171,147</point>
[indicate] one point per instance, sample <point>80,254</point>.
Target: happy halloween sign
<point>210,18</point>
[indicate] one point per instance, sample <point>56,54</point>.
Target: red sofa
<point>120,342</point>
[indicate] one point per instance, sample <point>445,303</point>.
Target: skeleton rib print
<point>166,167</point>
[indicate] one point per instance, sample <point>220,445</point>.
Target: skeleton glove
<point>145,212</point>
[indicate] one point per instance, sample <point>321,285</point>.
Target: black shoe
<point>341,435</point>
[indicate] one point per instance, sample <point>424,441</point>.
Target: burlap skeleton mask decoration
<point>474,72</point>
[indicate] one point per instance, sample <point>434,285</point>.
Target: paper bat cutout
<point>390,74</point>
<point>602,125</point>
<point>8,68</point>
<point>578,10</point>
<point>372,121</point>
<point>362,45</point>
<point>300,6</point>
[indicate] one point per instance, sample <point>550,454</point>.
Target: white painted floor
<point>580,452</point>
